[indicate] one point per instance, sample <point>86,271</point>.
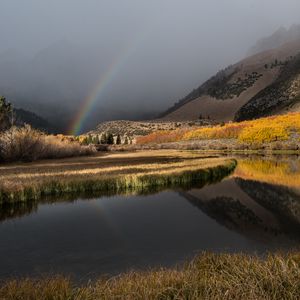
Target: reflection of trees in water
<point>281,170</point>
<point>183,181</point>
<point>282,203</point>
<point>234,215</point>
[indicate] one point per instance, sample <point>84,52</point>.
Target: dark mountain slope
<point>282,94</point>
<point>264,76</point>
<point>26,117</point>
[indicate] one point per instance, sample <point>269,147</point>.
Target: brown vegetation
<point>27,144</point>
<point>138,172</point>
<point>210,276</point>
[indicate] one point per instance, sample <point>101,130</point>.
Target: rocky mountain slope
<point>262,84</point>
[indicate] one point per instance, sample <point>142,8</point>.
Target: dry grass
<point>134,172</point>
<point>210,276</point>
<point>27,144</point>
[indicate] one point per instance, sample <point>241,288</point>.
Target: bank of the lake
<point>209,276</point>
<point>137,172</point>
<point>231,223</point>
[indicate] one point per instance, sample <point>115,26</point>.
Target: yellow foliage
<point>230,130</point>
<point>273,172</point>
<point>261,134</point>
<point>275,128</point>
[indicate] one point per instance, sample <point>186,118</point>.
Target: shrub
<point>263,134</point>
<point>163,136</point>
<point>264,130</point>
<point>27,144</point>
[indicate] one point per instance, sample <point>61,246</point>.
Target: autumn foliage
<point>163,136</point>
<point>264,130</point>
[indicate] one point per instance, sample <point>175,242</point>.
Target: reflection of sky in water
<point>245,212</point>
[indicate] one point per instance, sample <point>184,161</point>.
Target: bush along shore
<point>209,276</point>
<point>140,179</point>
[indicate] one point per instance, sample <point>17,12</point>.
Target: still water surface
<point>254,210</point>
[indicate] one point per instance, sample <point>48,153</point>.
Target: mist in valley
<point>128,59</point>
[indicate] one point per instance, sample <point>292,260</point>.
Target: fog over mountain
<point>142,55</point>
<point>279,37</point>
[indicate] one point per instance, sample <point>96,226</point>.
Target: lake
<point>255,210</point>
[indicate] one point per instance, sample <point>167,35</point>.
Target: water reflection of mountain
<point>283,202</point>
<point>259,211</point>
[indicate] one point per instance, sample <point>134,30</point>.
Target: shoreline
<point>139,172</point>
<point>208,276</point>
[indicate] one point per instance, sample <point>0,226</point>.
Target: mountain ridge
<point>222,96</point>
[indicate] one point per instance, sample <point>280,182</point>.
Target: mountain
<point>263,84</point>
<point>278,38</point>
<point>26,117</point>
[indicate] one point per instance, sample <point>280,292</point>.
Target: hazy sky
<point>159,49</point>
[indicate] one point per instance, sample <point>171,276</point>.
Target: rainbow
<point>90,101</point>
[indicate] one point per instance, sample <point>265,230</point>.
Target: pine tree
<point>126,140</point>
<point>110,139</point>
<point>96,140</point>
<point>103,139</point>
<point>118,142</point>
<point>90,139</point>
<point>5,114</point>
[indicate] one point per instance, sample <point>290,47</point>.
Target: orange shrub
<point>163,136</point>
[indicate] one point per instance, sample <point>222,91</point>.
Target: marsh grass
<point>138,173</point>
<point>209,276</point>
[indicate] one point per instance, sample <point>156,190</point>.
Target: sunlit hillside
<point>264,130</point>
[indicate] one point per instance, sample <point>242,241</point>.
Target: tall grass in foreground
<point>210,276</point>
<point>28,144</point>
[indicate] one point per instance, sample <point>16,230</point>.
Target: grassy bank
<point>210,276</point>
<point>140,172</point>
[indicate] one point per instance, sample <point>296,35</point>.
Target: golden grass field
<point>116,172</point>
<point>209,276</point>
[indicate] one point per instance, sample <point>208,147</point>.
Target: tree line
<point>105,139</point>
